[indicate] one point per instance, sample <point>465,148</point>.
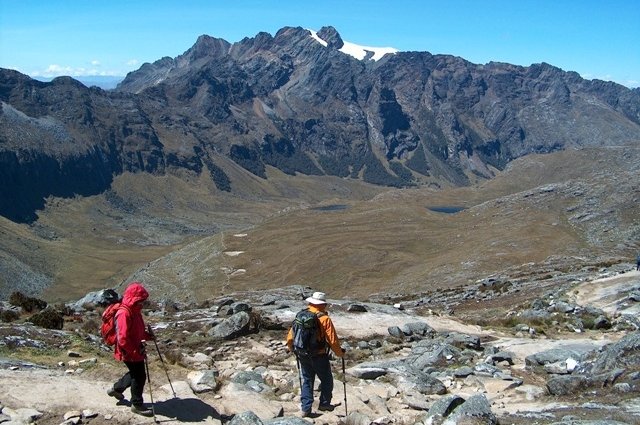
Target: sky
<point>596,38</point>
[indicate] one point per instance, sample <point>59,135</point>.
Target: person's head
<point>318,300</point>
<point>135,295</point>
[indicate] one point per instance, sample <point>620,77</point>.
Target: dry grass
<point>385,241</point>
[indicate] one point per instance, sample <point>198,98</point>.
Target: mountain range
<point>242,118</point>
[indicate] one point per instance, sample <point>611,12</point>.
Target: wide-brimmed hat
<point>317,298</point>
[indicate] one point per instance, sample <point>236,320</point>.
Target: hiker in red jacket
<point>129,347</point>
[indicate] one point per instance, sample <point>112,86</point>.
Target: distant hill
<point>104,82</point>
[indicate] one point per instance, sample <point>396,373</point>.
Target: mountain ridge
<point>410,118</point>
<point>254,135</point>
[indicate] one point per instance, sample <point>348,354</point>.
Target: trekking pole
<point>344,386</point>
<point>299,374</point>
<point>153,408</point>
<point>164,366</point>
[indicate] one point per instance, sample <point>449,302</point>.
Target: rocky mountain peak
<point>289,102</point>
<point>331,36</point>
<point>207,47</point>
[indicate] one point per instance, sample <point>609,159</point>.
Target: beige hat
<point>317,298</point>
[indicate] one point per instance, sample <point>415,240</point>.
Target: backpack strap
<point>323,342</point>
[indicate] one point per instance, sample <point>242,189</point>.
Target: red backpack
<point>108,327</point>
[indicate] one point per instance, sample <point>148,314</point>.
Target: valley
<point>175,234</point>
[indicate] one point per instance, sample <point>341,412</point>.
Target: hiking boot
<point>141,410</point>
<point>326,407</point>
<point>115,394</point>
<point>306,414</point>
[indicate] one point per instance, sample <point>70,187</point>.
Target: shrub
<point>48,318</point>
<point>173,356</point>
<point>8,315</point>
<point>27,304</point>
<point>91,326</point>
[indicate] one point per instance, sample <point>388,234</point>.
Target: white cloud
<point>627,82</point>
<point>95,62</point>
<point>133,62</point>
<point>55,70</point>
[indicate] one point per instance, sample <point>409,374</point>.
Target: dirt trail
<point>53,391</point>
<point>610,293</point>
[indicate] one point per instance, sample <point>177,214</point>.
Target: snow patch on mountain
<point>357,51</point>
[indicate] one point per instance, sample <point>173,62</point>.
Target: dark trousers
<point>310,367</point>
<point>134,378</point>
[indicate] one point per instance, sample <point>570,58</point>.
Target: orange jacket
<point>327,331</point>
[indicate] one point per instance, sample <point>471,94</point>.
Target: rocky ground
<point>569,354</point>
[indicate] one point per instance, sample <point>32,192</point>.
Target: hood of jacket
<point>134,293</point>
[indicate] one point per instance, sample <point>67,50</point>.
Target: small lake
<point>446,209</point>
<point>335,207</point>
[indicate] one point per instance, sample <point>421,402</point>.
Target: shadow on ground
<point>186,410</point>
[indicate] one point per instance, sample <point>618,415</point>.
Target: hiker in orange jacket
<point>318,363</point>
<point>129,347</point>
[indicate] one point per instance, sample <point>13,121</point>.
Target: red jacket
<point>130,328</point>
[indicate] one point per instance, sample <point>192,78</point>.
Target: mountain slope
<point>302,106</point>
<point>249,137</point>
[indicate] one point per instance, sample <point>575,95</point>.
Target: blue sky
<point>596,38</point>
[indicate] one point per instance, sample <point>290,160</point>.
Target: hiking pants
<point>135,379</point>
<point>309,368</point>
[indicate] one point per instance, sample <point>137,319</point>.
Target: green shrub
<point>48,318</point>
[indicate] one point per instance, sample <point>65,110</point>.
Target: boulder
<point>366,372</point>
<point>246,418</point>
<point>551,356</point>
<point>237,324</point>
<point>462,341</point>
<point>445,405</point>
<point>475,407</point>
<point>567,384</point>
<point>100,298</point>
<point>202,381</point>
<point>356,308</point>
<point>622,353</point>
<point>395,331</point>
<point>418,328</point>
<point>439,354</point>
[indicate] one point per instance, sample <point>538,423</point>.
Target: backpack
<point>108,327</point>
<point>306,329</point>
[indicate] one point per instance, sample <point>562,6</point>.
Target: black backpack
<point>306,329</point>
